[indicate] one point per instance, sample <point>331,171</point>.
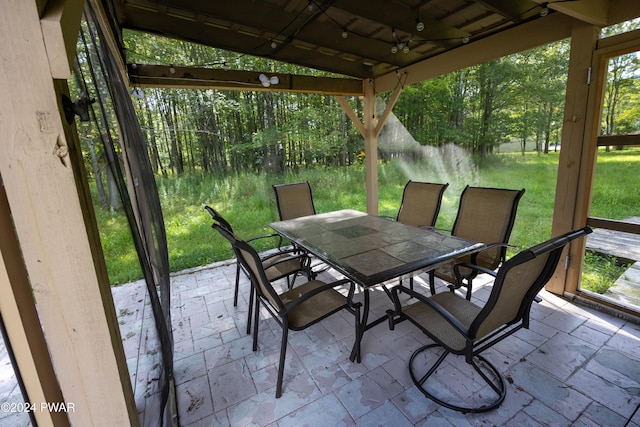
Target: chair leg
<point>235,294</point>
<point>496,385</point>
<point>283,353</point>
<point>432,282</point>
<point>252,298</point>
<point>256,321</point>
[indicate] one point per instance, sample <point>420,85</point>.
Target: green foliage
<point>247,201</point>
<point>616,187</point>
<point>600,272</point>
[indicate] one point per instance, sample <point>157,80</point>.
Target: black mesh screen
<point>137,188</point>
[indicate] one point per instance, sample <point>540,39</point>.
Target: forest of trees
<point>519,98</point>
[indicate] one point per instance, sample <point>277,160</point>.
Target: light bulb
<point>274,80</point>
<point>544,11</point>
<point>465,40</point>
<point>274,45</point>
<point>394,49</point>
<point>405,49</point>
<point>419,25</point>
<point>345,34</point>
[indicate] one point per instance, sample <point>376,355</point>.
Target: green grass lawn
<point>248,203</point>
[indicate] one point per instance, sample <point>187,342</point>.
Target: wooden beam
<point>76,313</point>
<point>60,24</point>
<point>351,114</point>
<point>623,10</point>
<point>618,140</point>
<point>594,12</point>
<point>611,224</point>
<point>387,110</point>
<point>207,78</point>
<point>526,36</point>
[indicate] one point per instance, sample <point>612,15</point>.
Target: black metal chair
<point>294,200</point>
<point>294,309</point>
<point>485,215</point>
<point>463,328</point>
<point>278,265</point>
<point>421,203</point>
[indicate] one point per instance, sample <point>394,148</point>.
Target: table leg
<point>365,319</point>
<point>363,326</point>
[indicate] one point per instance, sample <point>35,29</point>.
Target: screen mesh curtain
<point>137,187</point>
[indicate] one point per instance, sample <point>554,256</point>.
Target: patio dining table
<point>371,250</point>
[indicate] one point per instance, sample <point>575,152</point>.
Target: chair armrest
<point>267,236</point>
<point>436,229</point>
<point>302,257</point>
<point>429,301</point>
<point>474,255</point>
<point>478,268</point>
<point>321,289</point>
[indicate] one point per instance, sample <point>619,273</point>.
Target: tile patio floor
<point>574,367</point>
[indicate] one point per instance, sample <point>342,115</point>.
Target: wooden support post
<point>370,130</point>
<point>371,147</point>
<point>23,325</point>
<point>575,170</point>
<point>74,304</point>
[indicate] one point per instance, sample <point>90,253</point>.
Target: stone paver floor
<point>575,366</point>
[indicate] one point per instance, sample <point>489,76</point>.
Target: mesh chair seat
<point>313,309</point>
<point>282,265</point>
<point>464,311</point>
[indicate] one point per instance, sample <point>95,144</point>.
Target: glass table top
<point>370,249</point>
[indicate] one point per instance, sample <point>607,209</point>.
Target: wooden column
<point>75,307</point>
<point>23,325</point>
<point>370,130</point>
<point>371,147</point>
<point>575,169</point>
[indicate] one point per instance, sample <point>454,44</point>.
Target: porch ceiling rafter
<point>207,78</point>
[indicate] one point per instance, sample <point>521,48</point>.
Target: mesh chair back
<point>250,260</point>
<point>487,215</point>
<point>294,200</point>
<point>421,203</point>
<point>518,282</point>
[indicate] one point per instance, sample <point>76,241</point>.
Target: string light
<point>545,10</point>
<point>419,24</point>
<point>399,46</point>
